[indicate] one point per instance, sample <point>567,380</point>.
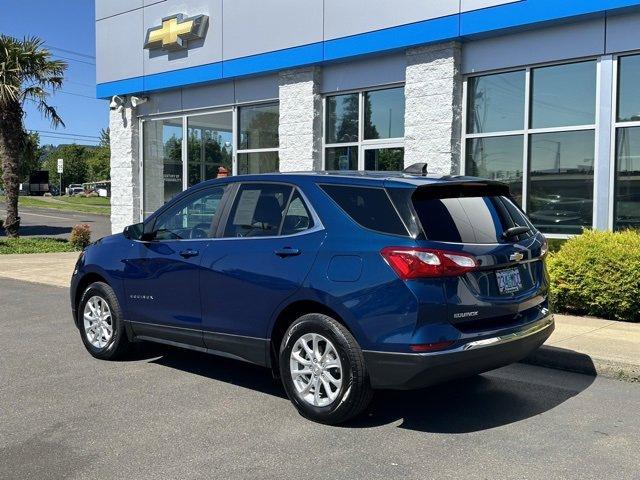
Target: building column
<point>433,112</point>
<point>300,128</point>
<point>125,167</point>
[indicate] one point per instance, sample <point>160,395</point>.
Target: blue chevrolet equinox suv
<point>339,282</point>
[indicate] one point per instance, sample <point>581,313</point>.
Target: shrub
<point>598,273</point>
<point>80,236</point>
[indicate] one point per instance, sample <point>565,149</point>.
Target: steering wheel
<point>200,231</point>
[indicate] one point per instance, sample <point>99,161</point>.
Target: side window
<point>367,206</point>
<point>298,218</point>
<point>258,210</point>
<point>193,217</point>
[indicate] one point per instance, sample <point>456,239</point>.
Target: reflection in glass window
<point>561,181</point>
<point>162,162</point>
<point>385,159</point>
<point>258,162</point>
<point>191,218</point>
<point>497,158</point>
<point>341,158</point>
<point>629,89</point>
<point>384,114</point>
<point>563,95</point>
<point>496,102</point>
<point>258,126</point>
<point>298,218</point>
<point>257,210</point>
<point>209,145</point>
<point>342,118</point>
<point>627,193</point>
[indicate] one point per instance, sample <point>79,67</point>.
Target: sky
<point>68,29</point>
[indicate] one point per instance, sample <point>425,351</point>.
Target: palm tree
<point>26,72</point>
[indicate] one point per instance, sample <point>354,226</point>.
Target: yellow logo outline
<point>176,31</point>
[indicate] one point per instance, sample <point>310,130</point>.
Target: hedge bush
<point>80,236</point>
<point>598,273</point>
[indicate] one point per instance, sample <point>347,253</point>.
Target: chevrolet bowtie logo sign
<point>176,31</point>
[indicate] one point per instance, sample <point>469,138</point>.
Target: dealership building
<point>543,95</point>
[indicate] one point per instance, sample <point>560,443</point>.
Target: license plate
<point>509,280</point>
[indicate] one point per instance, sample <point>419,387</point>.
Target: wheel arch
<point>83,283</point>
<point>287,316</point>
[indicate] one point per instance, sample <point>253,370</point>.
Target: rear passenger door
<point>270,240</point>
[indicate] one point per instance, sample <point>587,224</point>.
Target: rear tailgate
<point>510,285</point>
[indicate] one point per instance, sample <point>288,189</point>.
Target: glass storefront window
<point>341,158</point>
<point>384,159</point>
<point>497,158</point>
<point>162,165</point>
<point>629,89</point>
<point>496,102</point>
<point>627,189</point>
<point>258,127</point>
<point>561,181</point>
<point>209,145</point>
<point>384,114</point>
<point>258,162</point>
<point>342,118</point>
<point>563,95</point>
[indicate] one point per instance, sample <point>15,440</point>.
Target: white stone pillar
<point>433,112</point>
<point>300,128</point>
<point>125,168</point>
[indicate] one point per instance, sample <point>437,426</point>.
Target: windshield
<point>481,219</point>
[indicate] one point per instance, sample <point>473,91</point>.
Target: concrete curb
<point>563,359</point>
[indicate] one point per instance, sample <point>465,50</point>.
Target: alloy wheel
<point>316,370</point>
<point>98,322</point>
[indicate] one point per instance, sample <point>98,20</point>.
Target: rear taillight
<point>410,262</point>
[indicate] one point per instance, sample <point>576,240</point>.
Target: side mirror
<point>134,232</point>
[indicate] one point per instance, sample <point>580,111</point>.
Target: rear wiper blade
<point>515,231</point>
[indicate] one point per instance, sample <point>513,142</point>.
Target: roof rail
<point>419,168</point>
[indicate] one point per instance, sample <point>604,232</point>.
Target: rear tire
<point>100,323</point>
<point>326,380</point>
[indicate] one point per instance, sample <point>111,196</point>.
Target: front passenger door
<point>162,278</point>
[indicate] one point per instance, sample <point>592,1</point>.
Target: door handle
<point>287,252</point>
<point>189,253</point>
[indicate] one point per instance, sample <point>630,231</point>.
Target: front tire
<point>100,323</point>
<point>323,370</point>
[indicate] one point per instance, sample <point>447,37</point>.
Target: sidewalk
<point>581,344</point>
<point>592,346</point>
<point>47,268</point>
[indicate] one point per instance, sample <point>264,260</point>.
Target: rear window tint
<point>369,207</point>
<point>469,219</point>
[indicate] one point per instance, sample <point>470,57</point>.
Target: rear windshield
<point>481,219</point>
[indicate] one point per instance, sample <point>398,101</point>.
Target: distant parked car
<point>340,282</point>
<point>74,189</point>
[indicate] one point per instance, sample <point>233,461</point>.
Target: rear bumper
<point>405,371</point>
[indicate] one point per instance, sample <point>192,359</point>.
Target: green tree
<point>76,168</point>
<point>98,164</point>
<point>30,159</point>
<point>26,72</point>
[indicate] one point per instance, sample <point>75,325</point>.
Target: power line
<point>75,60</point>
<point>75,94</point>
<point>71,52</point>
<point>65,133</point>
<point>85,140</point>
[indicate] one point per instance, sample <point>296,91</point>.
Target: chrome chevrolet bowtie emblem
<point>516,257</point>
<point>176,31</point>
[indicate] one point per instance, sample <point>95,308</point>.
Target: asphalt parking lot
<point>41,222</point>
<point>168,413</point>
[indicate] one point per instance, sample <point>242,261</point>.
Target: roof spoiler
<point>463,188</point>
<point>416,169</point>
